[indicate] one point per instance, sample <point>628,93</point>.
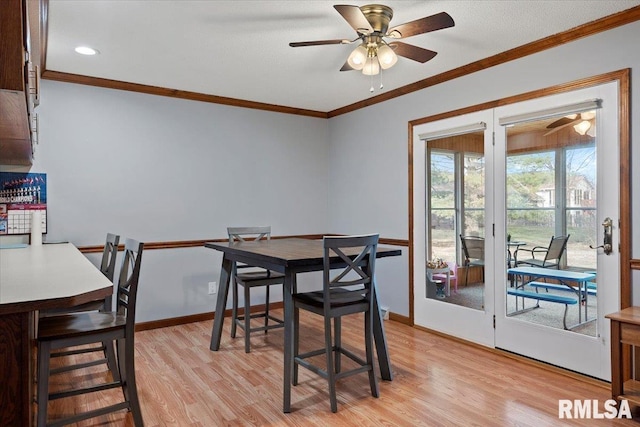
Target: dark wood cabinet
<point>19,74</point>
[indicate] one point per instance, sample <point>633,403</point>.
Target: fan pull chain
<point>381,85</point>
<point>371,88</point>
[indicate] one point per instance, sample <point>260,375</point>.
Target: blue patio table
<point>573,280</point>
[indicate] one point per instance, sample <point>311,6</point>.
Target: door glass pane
<point>443,206</point>
<point>581,206</point>
<point>531,197</point>
<point>473,195</point>
<point>456,199</point>
<point>551,221</point>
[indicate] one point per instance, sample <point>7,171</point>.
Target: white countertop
<point>48,271</point>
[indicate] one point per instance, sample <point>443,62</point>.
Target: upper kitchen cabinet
<point>20,48</point>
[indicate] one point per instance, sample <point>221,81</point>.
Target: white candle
<point>36,228</point>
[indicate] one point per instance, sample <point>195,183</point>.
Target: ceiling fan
<point>371,23</point>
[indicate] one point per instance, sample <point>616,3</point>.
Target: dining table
<point>290,256</point>
<point>32,278</point>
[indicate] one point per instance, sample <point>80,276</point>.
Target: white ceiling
<point>239,49</point>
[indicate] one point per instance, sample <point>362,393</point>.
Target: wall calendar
<point>20,195</point>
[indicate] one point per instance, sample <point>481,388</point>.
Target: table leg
<point>221,304</point>
<point>380,339</point>
<point>287,296</point>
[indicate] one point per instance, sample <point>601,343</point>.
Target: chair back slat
<point>109,255</point>
<point>472,247</point>
<point>242,234</point>
<point>557,247</point>
<point>128,280</point>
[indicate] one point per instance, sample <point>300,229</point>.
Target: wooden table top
<point>293,252</point>
<point>48,276</point>
<point>627,315</point>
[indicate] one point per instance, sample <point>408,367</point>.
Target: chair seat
<point>79,324</point>
<point>259,278</point>
<point>338,298</point>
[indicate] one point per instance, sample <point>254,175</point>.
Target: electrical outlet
<point>213,288</point>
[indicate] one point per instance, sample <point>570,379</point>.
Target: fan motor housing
<point>378,16</point>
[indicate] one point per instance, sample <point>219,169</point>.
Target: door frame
<point>624,94</point>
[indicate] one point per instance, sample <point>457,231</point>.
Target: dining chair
<point>93,327</point>
<point>473,251</point>
<point>349,290</point>
<point>250,277</point>
<point>107,267</point>
<point>549,256</point>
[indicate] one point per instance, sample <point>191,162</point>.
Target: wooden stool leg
<point>337,329</point>
<point>266,310</point>
<point>247,319</point>
<point>331,372</point>
<point>234,307</point>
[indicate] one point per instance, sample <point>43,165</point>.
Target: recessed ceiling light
<point>85,50</point>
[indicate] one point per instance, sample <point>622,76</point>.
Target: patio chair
<point>473,251</point>
<point>548,257</point>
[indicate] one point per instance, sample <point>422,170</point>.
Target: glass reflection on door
<point>456,210</point>
<point>551,191</point>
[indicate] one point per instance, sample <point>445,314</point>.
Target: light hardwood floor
<point>437,382</point>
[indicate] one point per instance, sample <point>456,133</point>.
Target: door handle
<point>608,237</point>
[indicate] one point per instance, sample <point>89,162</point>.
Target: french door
<point>549,167</point>
<point>563,181</point>
<point>452,158</point>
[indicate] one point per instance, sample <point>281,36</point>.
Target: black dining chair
<point>348,290</point>
<point>107,267</point>
<point>548,256</point>
<point>473,251</point>
<point>250,277</point>
<point>85,328</point>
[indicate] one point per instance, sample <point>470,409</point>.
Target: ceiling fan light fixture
<point>358,57</point>
<point>582,127</point>
<point>588,115</point>
<point>371,67</point>
<point>387,57</point>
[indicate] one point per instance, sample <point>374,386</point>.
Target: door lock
<point>608,237</point>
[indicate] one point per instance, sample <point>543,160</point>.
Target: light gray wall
<point>161,169</point>
<point>368,147</point>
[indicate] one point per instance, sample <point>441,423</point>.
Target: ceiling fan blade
<point>563,121</point>
<point>559,127</point>
<point>412,52</point>
<point>420,26</point>
<point>319,42</point>
<point>354,16</point>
